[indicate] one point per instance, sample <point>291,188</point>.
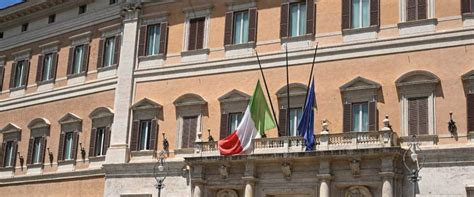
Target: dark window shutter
<point>29,158</point>
<point>466,6</point>
<point>12,75</point>
<point>92,142</point>
<point>100,54</point>
<point>134,135</point>
<point>200,33</point>
<point>346,14</point>
<point>422,9</point>
<point>118,43</point>
<point>347,117</point>
<point>55,65</point>
<point>75,141</point>
<point>192,34</point>
<point>189,131</point>
<point>153,134</point>
<point>107,139</point>
<point>284,20</point>
<point>411,10</point>
<point>142,41</point>
<point>15,150</point>
<point>283,122</point>
<point>224,126</point>
<point>26,73</point>
<point>163,38</point>
<point>192,131</point>
<point>2,75</point>
<point>85,67</point>
<point>412,117</point>
<point>61,147</point>
<point>470,112</point>
<point>423,116</point>
<point>43,148</point>
<point>310,17</point>
<point>71,60</point>
<point>2,154</point>
<point>373,117</point>
<point>229,20</point>
<point>185,133</point>
<point>374,12</point>
<point>39,69</point>
<point>253,18</point>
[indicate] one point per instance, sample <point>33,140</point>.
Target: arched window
<point>189,109</point>
<point>145,128</point>
<point>39,128</point>
<point>71,126</point>
<point>102,119</point>
<point>233,105</point>
<point>288,125</point>
<point>11,135</point>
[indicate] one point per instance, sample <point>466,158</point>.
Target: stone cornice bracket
<point>131,10</point>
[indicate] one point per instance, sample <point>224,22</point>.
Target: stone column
<point>324,188</point>
<point>118,151</point>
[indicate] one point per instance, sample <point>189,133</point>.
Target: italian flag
<point>256,120</point>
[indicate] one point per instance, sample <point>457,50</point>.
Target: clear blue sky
<point>6,3</point>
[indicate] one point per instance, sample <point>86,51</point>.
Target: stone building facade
<point>90,91</point>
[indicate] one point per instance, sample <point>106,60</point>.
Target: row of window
<point>71,128</point>
<point>108,55</point>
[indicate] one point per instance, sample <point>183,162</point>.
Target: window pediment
<point>359,83</point>
<point>101,112</point>
<point>418,77</point>
<point>296,89</point>
<point>11,128</point>
<point>189,99</point>
<point>146,103</point>
<point>469,76</point>
<point>70,118</point>
<point>39,123</point>
<point>234,96</point>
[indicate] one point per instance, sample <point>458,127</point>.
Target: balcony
<point>323,142</point>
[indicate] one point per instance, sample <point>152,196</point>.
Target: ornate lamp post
<point>414,149</point>
<point>160,171</point>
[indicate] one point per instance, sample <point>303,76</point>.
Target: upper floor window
<point>109,51</point>
<point>51,18</point>
<point>234,121</point>
<point>100,141</point>
<point>189,108</point>
<point>240,27</point>
<point>153,39</point>
<point>112,2</point>
<point>196,33</point>
<point>24,27</point>
<point>82,9</point>
<point>1,35</point>
<point>71,125</point>
<point>10,153</point>
<point>467,6</point>
<point>416,10</point>
<point>19,74</point>
<point>297,19</point>
<point>418,116</point>
<point>144,133</point>
<point>37,147</point>
<point>290,116</point>
<point>145,130</point>
<point>8,150</point>
<point>68,146</point>
<point>78,59</point>
<point>39,128</point>
<point>360,13</point>
<point>468,82</point>
<point>102,119</point>
<point>233,105</point>
<point>295,118</point>
<point>360,116</point>
<point>47,67</point>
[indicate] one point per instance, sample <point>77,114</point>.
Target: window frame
<point>430,10</point>
<point>242,25</point>
<point>111,52</point>
<point>68,149</point>
<point>239,117</point>
<point>43,79</point>
<point>290,24</point>
<point>82,9</point>
<point>11,144</point>
<point>82,60</point>
<point>37,150</point>
<point>360,14</point>
<point>51,18</point>
<point>296,116</point>
<point>100,142</point>
<point>361,122</point>
<point>157,39</point>
<point>144,145</point>
<point>22,75</point>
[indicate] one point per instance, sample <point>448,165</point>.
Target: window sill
<point>34,169</point>
<point>66,165</point>
<point>36,165</point>
<point>7,169</point>
<point>418,26</point>
<point>76,78</point>
<point>184,152</point>
<point>7,172</point>
<point>195,55</point>
<point>424,139</point>
<point>470,137</point>
<point>151,61</point>
<point>107,71</point>
<point>468,19</point>
<point>298,42</point>
<point>360,34</point>
<point>45,85</point>
<point>239,50</point>
<point>17,92</point>
<point>66,162</point>
<point>96,162</point>
<point>97,158</point>
<point>142,156</point>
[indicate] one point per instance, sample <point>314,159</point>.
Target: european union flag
<point>306,125</point>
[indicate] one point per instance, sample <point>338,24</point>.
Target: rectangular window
<point>472,5</point>
<point>360,117</point>
<point>196,33</point>
<point>47,67</point>
<point>109,51</point>
<point>418,116</point>
<point>19,77</point>
<point>295,117</point>
<point>145,127</point>
<point>69,142</point>
<point>416,10</point>
<point>24,27</point>
<point>99,141</point>
<point>78,61</point>
<point>189,131</point>
<point>9,154</point>
<point>112,2</point>
<point>234,121</point>
<point>51,18</point>
<point>37,150</point>
<point>153,40</point>
<point>1,35</point>
<point>82,9</point>
<point>241,27</point>
<point>297,19</point>
<point>360,13</point>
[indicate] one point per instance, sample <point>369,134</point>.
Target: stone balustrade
<point>323,142</point>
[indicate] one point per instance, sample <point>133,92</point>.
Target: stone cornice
<point>50,177</point>
<point>336,52</point>
<point>175,168</point>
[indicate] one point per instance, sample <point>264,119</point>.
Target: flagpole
<point>311,73</point>
<point>287,92</point>
<point>268,93</point>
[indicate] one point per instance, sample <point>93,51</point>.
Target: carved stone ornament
<point>355,167</point>
<point>224,171</point>
<point>358,191</point>
<point>286,170</point>
<point>227,193</point>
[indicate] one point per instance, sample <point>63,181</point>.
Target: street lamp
<point>160,171</point>
<point>414,150</point>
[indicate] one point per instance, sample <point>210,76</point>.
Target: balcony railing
<point>323,142</point>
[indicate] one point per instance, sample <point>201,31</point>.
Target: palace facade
<point>94,92</point>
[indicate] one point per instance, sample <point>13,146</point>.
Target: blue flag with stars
<point>306,125</point>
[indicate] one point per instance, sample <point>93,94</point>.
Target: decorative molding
<point>360,34</point>
<point>10,128</point>
<point>70,118</point>
<point>50,47</point>
<point>39,123</point>
<point>359,83</point>
<point>155,18</point>
<point>24,54</point>
<point>146,103</point>
<point>418,26</point>
<point>235,5</point>
<point>83,38</point>
<point>101,112</point>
